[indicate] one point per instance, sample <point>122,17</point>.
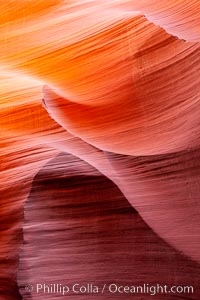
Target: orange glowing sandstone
<point>116,85</point>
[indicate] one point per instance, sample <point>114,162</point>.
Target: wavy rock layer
<point>114,87</point>
<point>99,236</point>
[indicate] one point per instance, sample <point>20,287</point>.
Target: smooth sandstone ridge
<point>100,144</point>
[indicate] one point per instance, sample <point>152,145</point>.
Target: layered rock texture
<point>99,146</point>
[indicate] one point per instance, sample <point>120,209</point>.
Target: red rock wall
<point>99,143</point>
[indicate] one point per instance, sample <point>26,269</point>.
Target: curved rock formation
<point>99,156</point>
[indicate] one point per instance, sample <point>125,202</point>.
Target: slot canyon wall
<point>99,146</point>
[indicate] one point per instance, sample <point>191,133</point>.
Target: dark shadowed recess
<point>79,228</point>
